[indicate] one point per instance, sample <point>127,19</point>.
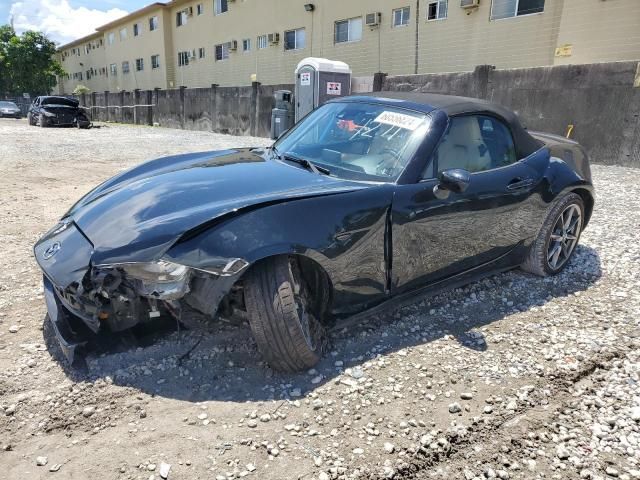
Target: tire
<point>553,248</point>
<point>42,120</point>
<point>289,336</point>
<point>29,119</point>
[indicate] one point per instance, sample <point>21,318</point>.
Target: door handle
<point>520,183</point>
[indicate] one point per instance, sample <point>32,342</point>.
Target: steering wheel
<point>386,166</point>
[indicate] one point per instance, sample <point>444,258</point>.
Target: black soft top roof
<point>453,105</point>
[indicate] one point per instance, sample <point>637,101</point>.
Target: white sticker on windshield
<point>408,122</point>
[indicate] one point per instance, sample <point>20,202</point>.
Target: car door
<point>436,235</point>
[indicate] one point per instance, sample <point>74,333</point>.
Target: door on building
<point>306,92</point>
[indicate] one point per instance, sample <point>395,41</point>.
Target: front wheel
<point>287,332</point>
<point>559,235</point>
<point>43,121</point>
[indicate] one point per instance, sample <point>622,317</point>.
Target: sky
<point>65,20</point>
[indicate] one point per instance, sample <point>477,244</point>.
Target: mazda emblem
<point>51,251</point>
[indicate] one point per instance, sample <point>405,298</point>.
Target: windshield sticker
<point>408,122</point>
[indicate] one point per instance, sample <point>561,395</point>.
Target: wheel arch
<point>314,274</point>
<point>589,201</point>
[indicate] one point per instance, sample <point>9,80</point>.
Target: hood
<point>139,214</point>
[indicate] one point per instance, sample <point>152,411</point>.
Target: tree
<point>27,62</point>
<point>80,89</point>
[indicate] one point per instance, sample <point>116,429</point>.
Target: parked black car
<point>9,109</point>
<point>51,111</point>
<point>367,202</point>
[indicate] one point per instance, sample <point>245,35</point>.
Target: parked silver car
<point>9,109</point>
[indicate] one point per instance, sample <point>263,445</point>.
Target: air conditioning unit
<point>233,45</point>
<point>373,19</point>
<point>189,11</point>
<point>274,38</point>
<point>469,3</point>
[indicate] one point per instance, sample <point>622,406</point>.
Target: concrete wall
<point>600,100</point>
<point>232,110</point>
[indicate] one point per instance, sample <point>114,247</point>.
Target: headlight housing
<point>161,271</point>
<point>162,279</point>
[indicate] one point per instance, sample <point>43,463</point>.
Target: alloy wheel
<point>564,237</point>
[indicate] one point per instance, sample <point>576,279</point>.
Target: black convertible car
<point>58,112</point>
<point>367,202</point>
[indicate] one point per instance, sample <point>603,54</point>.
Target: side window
<point>475,143</point>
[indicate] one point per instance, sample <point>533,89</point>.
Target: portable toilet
<point>319,80</point>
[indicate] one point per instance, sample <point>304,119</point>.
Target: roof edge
<point>140,11</point>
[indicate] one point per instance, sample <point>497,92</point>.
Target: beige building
<point>196,43</point>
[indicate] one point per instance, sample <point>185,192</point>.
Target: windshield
<point>8,105</point>
<point>358,141</point>
<point>66,102</point>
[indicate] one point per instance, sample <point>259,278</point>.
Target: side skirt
<point>494,267</point>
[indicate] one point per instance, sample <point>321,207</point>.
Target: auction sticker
<point>408,122</point>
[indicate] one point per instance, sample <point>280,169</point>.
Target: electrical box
<point>282,114</point>
<point>319,80</point>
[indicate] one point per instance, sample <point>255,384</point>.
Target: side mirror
<point>455,180</point>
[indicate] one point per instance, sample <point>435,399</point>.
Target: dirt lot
<point>512,377</point>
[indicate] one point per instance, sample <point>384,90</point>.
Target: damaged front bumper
<point>83,299</point>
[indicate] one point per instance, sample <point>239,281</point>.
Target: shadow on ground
<point>224,365</point>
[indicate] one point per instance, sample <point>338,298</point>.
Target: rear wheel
<point>557,240</point>
<point>288,333</point>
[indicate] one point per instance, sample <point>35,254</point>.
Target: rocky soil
<point>513,377</point>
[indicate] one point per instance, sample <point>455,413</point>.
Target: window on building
<point>181,18</point>
<point>401,17</point>
<point>246,45</point>
<point>262,42</point>
<point>125,67</point>
<point>200,9</point>
<point>295,39</point>
<point>139,64</point>
<point>515,8</point>
<point>222,52</point>
<point>348,30</point>
<point>155,61</point>
<point>437,10</point>
<point>123,34</point>
<point>183,59</point>
<point>113,69</point>
<point>220,6</point>
<point>153,24</point>
<point>201,52</point>
<point>475,143</point>
<point>111,37</point>
<point>136,29</point>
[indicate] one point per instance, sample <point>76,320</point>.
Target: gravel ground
<point>512,377</point>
